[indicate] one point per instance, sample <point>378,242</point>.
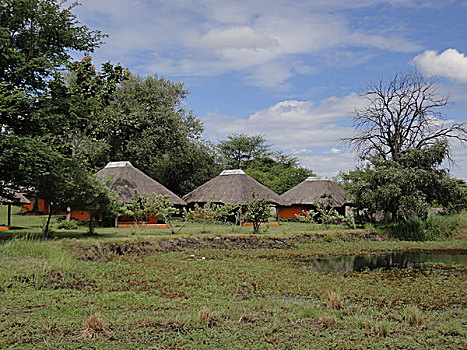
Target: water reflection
<point>401,260</point>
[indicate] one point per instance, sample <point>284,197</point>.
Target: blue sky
<point>288,70</point>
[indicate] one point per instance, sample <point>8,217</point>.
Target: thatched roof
<point>125,174</point>
<point>15,197</point>
<point>312,189</point>
<point>231,187</point>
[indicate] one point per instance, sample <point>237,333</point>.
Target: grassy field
<point>235,298</point>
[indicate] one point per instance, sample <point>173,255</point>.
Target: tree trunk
<point>47,225</point>
<point>90,228</point>
<point>9,215</point>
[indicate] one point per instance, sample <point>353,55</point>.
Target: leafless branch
<point>401,114</point>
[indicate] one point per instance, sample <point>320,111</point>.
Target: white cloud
<point>450,64</point>
<point>304,129</point>
<point>236,37</point>
<point>263,40</point>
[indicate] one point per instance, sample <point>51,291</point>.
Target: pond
<point>400,260</point>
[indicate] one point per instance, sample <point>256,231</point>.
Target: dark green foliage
<point>72,115</point>
<point>239,150</point>
<point>276,170</point>
<point>416,229</point>
<point>405,188</point>
<point>36,37</point>
<point>67,225</point>
<point>279,172</point>
<point>150,127</point>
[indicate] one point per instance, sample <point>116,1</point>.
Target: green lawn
<point>222,298</point>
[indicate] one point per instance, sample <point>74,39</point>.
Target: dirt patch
<point>226,243</point>
<point>108,251</point>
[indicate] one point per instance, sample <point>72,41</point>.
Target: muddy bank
<point>226,243</point>
<point>107,251</point>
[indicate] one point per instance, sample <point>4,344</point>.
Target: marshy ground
<point>232,291</point>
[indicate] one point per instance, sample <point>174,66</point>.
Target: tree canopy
<point>408,187</point>
<point>239,150</point>
<point>36,37</point>
<point>276,170</point>
<point>149,126</point>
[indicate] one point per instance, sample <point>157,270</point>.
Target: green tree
<point>240,150</point>
<point>143,206</point>
<point>36,37</point>
<point>257,212</point>
<point>88,192</point>
<point>151,128</point>
<point>405,188</point>
<point>71,114</point>
<point>279,172</point>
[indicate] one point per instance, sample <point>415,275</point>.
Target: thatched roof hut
<point>312,189</point>
<point>17,198</point>
<point>125,174</point>
<point>231,187</point>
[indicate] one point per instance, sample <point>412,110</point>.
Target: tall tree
<point>279,172</point>
<point>402,114</point>
<point>71,113</point>
<point>39,112</point>
<point>239,150</point>
<point>150,127</point>
<point>36,37</point>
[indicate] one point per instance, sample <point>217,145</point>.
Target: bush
<point>435,227</point>
<point>72,225</point>
<point>443,225</point>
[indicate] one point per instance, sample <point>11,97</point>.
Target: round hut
<point>126,179</point>
<point>14,198</point>
<point>307,193</point>
<point>231,187</point>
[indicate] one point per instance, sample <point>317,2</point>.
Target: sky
<point>291,71</point>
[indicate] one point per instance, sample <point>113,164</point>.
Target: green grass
<point>232,299</point>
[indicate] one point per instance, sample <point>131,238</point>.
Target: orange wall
<point>129,219</point>
<point>80,215</point>
<point>42,205</point>
<point>289,212</point>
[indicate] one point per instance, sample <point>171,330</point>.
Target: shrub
<point>67,225</point>
<point>435,227</point>
<point>410,230</point>
<point>443,225</point>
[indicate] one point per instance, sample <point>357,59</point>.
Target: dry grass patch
<point>94,327</point>
<point>334,300</point>
<point>413,316</point>
<point>328,321</point>
<point>208,318</point>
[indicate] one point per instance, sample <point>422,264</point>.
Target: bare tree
<point>402,114</point>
